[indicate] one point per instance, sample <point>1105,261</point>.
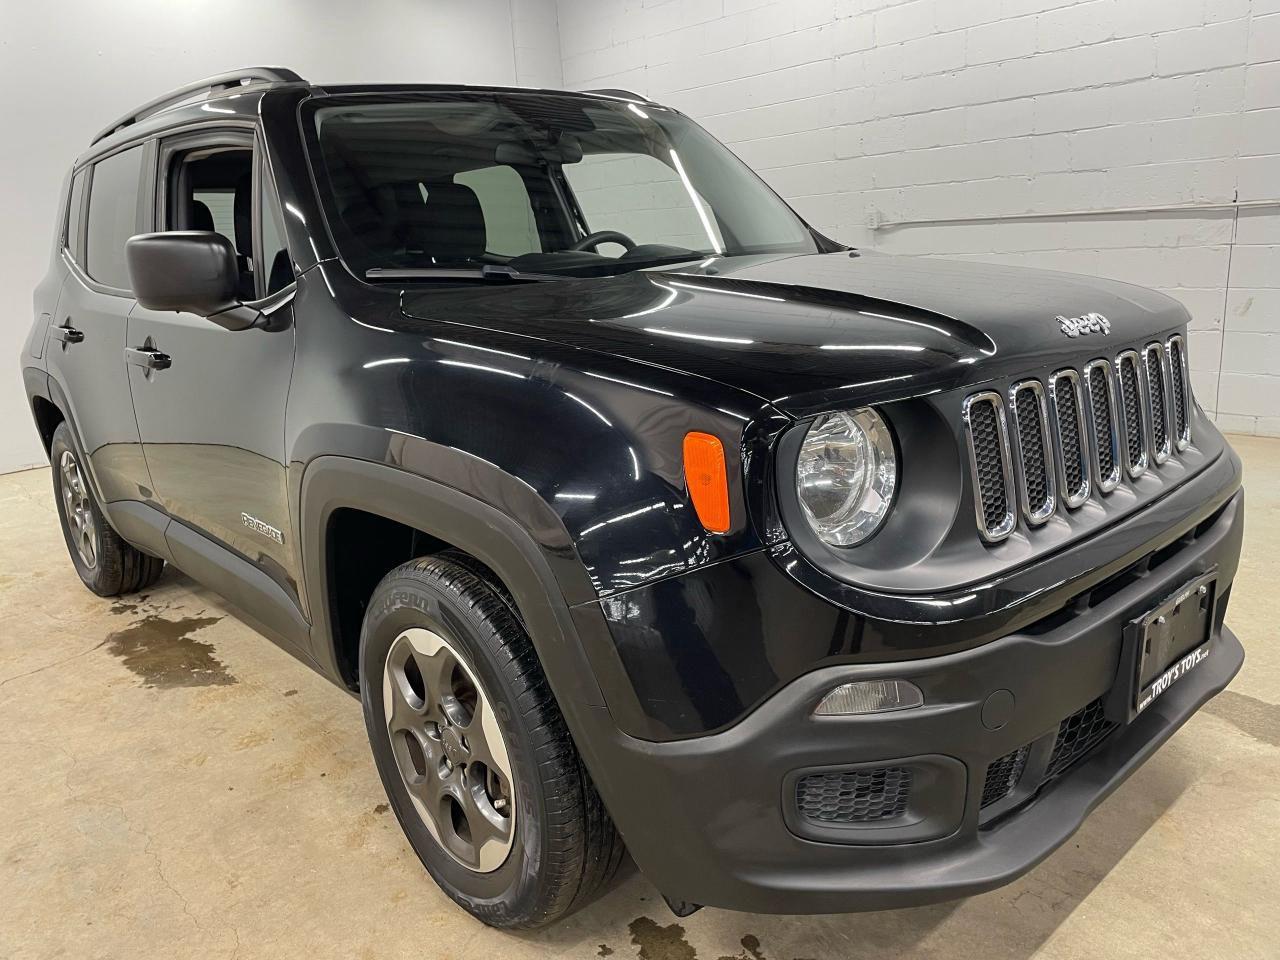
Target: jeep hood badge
<point>1080,326</point>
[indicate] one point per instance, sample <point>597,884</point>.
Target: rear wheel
<point>107,565</point>
<point>473,751</point>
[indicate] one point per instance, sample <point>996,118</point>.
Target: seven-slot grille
<point>1086,429</point>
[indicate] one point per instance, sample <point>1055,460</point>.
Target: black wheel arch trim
<point>575,653</point>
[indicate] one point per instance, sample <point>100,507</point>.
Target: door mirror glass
<point>194,271</point>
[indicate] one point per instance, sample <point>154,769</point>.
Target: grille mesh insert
<point>1073,471</point>
<point>988,459</point>
<point>1003,775</point>
<point>1077,735</point>
<point>854,796</point>
<point>1179,388</point>
<point>1100,405</point>
<point>1155,387</point>
<point>1031,441</point>
<point>1131,400</point>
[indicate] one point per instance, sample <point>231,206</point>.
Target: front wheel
<point>473,751</point>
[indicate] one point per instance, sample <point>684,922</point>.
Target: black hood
<point>810,332</point>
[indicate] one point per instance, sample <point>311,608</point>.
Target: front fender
<point>541,570</point>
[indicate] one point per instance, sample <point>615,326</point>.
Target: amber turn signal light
<point>708,480</point>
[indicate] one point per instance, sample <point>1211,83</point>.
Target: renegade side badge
<point>257,526</point>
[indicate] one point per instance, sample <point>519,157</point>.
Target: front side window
<point>210,187</point>
<point>113,216</point>
<point>275,255</point>
<point>644,198</point>
<point>528,181</point>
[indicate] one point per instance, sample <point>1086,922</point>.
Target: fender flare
<point>536,575</point>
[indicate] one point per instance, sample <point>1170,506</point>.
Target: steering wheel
<point>593,240</point>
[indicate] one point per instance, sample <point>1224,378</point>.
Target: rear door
<point>85,349</point>
<point>211,415</point>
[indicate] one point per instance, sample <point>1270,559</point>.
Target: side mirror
<point>193,271</point>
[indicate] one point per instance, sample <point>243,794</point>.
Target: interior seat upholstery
<point>201,217</point>
<point>449,226</point>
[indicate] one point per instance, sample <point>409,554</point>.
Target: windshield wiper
<point>483,271</point>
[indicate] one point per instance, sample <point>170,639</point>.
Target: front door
<point>210,402</point>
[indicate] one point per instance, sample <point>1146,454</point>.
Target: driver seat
<point>449,226</point>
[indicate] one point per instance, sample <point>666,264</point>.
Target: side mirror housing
<point>192,271</point>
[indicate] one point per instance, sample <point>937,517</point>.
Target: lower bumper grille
<point>1077,735</point>
<point>1075,738</point>
<point>1003,775</point>
<point>860,796</point>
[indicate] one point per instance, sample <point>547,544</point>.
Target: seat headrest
<point>201,216</point>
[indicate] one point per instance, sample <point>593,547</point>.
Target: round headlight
<point>847,475</point>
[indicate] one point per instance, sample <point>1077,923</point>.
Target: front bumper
<point>713,819</point>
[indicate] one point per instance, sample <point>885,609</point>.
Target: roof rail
<point>618,92</point>
<point>223,81</point>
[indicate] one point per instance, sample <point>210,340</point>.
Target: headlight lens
<point>847,475</point>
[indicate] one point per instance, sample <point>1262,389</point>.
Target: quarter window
<point>75,207</point>
<point>113,216</point>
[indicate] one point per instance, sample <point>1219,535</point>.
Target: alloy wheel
<point>449,750</point>
<point>78,510</point>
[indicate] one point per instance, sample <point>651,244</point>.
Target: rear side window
<point>113,216</point>
<point>74,207</point>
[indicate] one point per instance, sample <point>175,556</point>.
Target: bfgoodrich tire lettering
<point>563,846</point>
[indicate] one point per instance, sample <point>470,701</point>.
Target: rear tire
<point>107,565</point>
<point>558,847</point>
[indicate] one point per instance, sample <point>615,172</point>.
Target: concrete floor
<point>172,785</point>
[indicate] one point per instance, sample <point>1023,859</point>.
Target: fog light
<point>869,696</point>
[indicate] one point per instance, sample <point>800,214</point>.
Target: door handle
<point>67,334</point>
<point>147,358</point>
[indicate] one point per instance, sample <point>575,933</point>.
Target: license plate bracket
<point>1162,646</point>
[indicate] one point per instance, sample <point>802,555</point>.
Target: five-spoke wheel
<point>448,748</point>
<point>79,513</point>
<point>474,754</point>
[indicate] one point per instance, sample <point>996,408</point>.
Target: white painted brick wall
<point>931,109</point>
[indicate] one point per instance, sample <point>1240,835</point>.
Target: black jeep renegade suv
<point>632,508</point>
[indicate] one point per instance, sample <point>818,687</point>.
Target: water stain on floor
<point>164,655</point>
<point>750,944</point>
<point>1258,718</point>
<point>660,943</point>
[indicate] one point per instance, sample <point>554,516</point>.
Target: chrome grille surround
<point>1037,487</point>
<point>1156,370</point>
<point>1175,349</point>
<point>1040,443</point>
<point>1070,437</point>
<point>987,434</point>
<point>1100,392</point>
<point>1131,388</point>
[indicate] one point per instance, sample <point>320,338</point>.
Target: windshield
<point>537,184</point>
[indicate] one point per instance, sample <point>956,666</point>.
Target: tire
<point>557,848</point>
<point>107,565</point>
